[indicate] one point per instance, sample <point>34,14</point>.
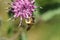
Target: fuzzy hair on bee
<point>30,21</point>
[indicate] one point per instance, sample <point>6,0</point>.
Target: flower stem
<point>24,35</point>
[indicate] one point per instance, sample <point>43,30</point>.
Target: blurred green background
<point>47,18</point>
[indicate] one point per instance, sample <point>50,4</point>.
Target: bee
<point>29,21</point>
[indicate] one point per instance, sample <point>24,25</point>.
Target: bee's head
<point>29,20</point>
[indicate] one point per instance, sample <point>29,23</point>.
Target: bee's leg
<point>28,27</point>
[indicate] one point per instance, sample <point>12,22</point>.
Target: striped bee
<point>29,21</point>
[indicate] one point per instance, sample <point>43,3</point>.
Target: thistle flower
<point>23,8</point>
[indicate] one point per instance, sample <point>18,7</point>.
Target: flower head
<point>23,8</point>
